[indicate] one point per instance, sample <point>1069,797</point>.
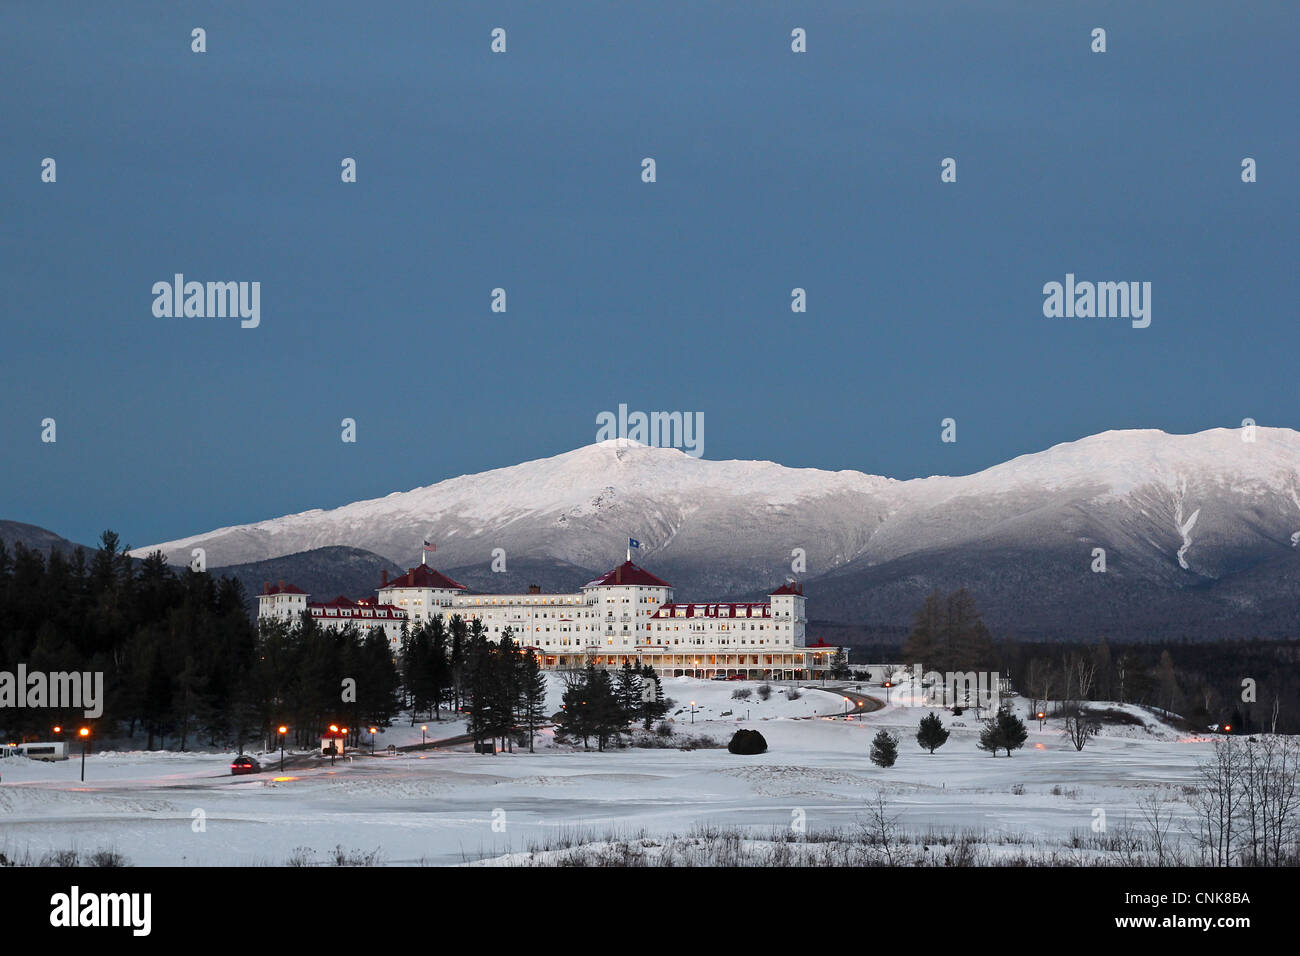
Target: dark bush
<point>747,742</point>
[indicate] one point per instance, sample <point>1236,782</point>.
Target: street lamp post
<point>424,728</point>
<point>84,733</point>
<point>692,712</point>
<point>373,731</point>
<point>282,730</point>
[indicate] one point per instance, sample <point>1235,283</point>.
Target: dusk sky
<point>522,170</point>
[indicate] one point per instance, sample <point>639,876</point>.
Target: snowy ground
<point>451,806</point>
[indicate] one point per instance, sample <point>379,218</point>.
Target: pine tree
<point>509,668</point>
<point>439,666</point>
<point>533,695</point>
<point>653,703</point>
<point>884,749</point>
<point>479,688</point>
<point>415,671</point>
<point>575,717</point>
<point>991,737</point>
<point>457,656</point>
<point>1011,730</point>
<point>608,718</point>
<point>931,734</point>
<point>840,664</point>
<point>627,691</point>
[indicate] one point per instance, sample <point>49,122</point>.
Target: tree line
<point>176,650</point>
<point>1252,686</point>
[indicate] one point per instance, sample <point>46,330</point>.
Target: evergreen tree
<point>991,737</point>
<point>884,749</point>
<point>575,719</point>
<point>1011,730</point>
<point>457,657</point>
<point>653,703</point>
<point>479,682</point>
<point>608,717</point>
<point>840,665</point>
<point>533,695</point>
<point>931,734</point>
<point>627,691</point>
<point>416,671</point>
<point>591,709</point>
<point>509,685</point>
<point>439,665</point>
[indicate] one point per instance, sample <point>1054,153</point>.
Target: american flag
<point>430,547</point>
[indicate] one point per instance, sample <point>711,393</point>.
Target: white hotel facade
<point>627,614</point>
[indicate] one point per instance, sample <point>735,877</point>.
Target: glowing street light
<point>692,712</point>
<point>424,732</point>
<point>282,730</point>
<point>84,733</point>
<point>373,731</point>
<point>1042,716</point>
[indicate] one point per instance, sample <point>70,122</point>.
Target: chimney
<point>410,576</point>
<point>384,579</point>
<point>618,575</point>
<point>281,585</point>
<point>534,589</point>
<point>266,587</point>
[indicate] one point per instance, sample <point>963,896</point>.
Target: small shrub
<point>106,859</point>
<point>301,856</point>
<point>342,857</point>
<point>747,742</point>
<point>764,691</point>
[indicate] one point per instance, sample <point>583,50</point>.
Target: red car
<point>245,764</point>
<point>736,677</point>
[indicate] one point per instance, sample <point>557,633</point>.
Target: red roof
<point>282,588</point>
<point>358,612</point>
<point>423,577</point>
<point>788,588</point>
<point>339,601</point>
<point>628,573</point>
<point>821,643</point>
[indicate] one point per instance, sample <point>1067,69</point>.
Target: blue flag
<point>633,543</point>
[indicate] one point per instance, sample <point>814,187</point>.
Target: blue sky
<point>522,171</point>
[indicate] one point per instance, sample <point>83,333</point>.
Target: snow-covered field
<point>450,806</point>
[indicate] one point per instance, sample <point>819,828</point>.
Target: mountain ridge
<point>1181,520</point>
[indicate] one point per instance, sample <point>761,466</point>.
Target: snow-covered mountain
<point>1179,516</point>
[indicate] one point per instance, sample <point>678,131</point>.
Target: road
<point>862,703</point>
